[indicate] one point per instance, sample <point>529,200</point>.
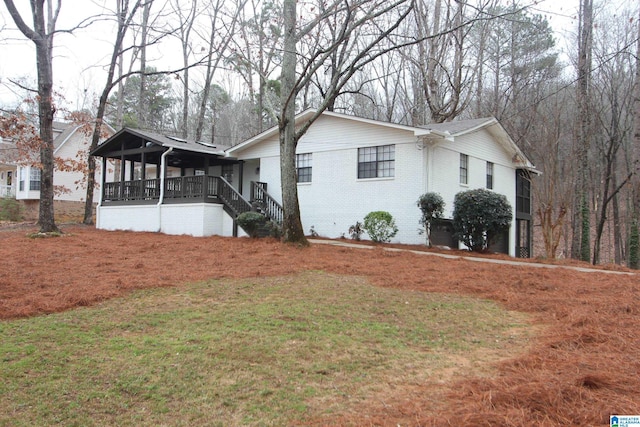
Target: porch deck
<point>192,189</point>
<point>184,189</point>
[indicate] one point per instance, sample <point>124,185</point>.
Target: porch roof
<point>130,144</point>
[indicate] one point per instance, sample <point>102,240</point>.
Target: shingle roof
<point>63,131</point>
<point>166,141</point>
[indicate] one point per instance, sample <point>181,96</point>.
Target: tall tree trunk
<point>42,37</point>
<point>292,231</point>
<point>584,118</point>
<point>46,111</point>
<point>618,241</point>
<point>635,198</point>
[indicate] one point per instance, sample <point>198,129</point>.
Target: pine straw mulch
<point>583,366</point>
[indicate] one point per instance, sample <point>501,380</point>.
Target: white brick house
<point>354,166</point>
<point>347,167</point>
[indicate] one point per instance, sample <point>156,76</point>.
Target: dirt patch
<point>583,367</point>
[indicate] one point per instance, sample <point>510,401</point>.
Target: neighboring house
<point>70,144</point>
<point>8,155</point>
<point>347,167</point>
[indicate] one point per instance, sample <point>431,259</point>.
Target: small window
<point>227,173</point>
<point>34,179</point>
<point>23,178</point>
<point>489,175</point>
<point>377,162</point>
<point>464,169</point>
<point>303,167</point>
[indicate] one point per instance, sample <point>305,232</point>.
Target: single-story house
<point>347,167</point>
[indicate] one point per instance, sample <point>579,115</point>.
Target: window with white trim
<point>464,169</point>
<point>489,176</point>
<point>34,179</point>
<point>377,162</point>
<point>23,178</point>
<point>304,164</point>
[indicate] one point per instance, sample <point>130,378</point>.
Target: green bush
<point>432,207</point>
<point>275,230</point>
<point>479,216</point>
<point>251,222</point>
<point>380,226</point>
<point>10,210</point>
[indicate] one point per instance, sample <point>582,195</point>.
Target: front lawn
<point>256,351</point>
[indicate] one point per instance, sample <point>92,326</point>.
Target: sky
<point>80,58</point>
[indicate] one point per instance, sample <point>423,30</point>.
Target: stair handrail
<point>270,206</point>
<point>231,197</point>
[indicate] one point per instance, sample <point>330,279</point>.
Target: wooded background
<point>569,99</point>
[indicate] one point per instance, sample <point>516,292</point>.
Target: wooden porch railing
<point>185,188</point>
<point>265,203</point>
<point>231,198</point>
<point>199,188</point>
<point>146,189</point>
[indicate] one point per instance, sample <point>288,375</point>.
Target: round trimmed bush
<point>380,226</point>
<point>479,216</point>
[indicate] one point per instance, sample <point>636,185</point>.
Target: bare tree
<point>552,155</point>
<point>44,28</point>
<point>612,112</point>
<point>363,35</point>
<point>221,33</point>
<point>125,14</point>
<point>441,79</point>
<point>255,55</point>
<point>186,20</point>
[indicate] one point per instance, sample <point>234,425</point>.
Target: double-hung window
<point>464,169</point>
<point>34,179</point>
<point>304,164</point>
<point>489,176</point>
<point>377,162</point>
<point>22,178</point>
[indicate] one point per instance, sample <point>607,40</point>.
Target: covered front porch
<point>7,185</point>
<point>175,186</point>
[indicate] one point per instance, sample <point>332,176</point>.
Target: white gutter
<point>163,160</point>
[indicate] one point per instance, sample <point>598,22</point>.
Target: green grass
<point>265,351</point>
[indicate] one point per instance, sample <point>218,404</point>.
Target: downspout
<point>163,173</point>
<point>103,179</point>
